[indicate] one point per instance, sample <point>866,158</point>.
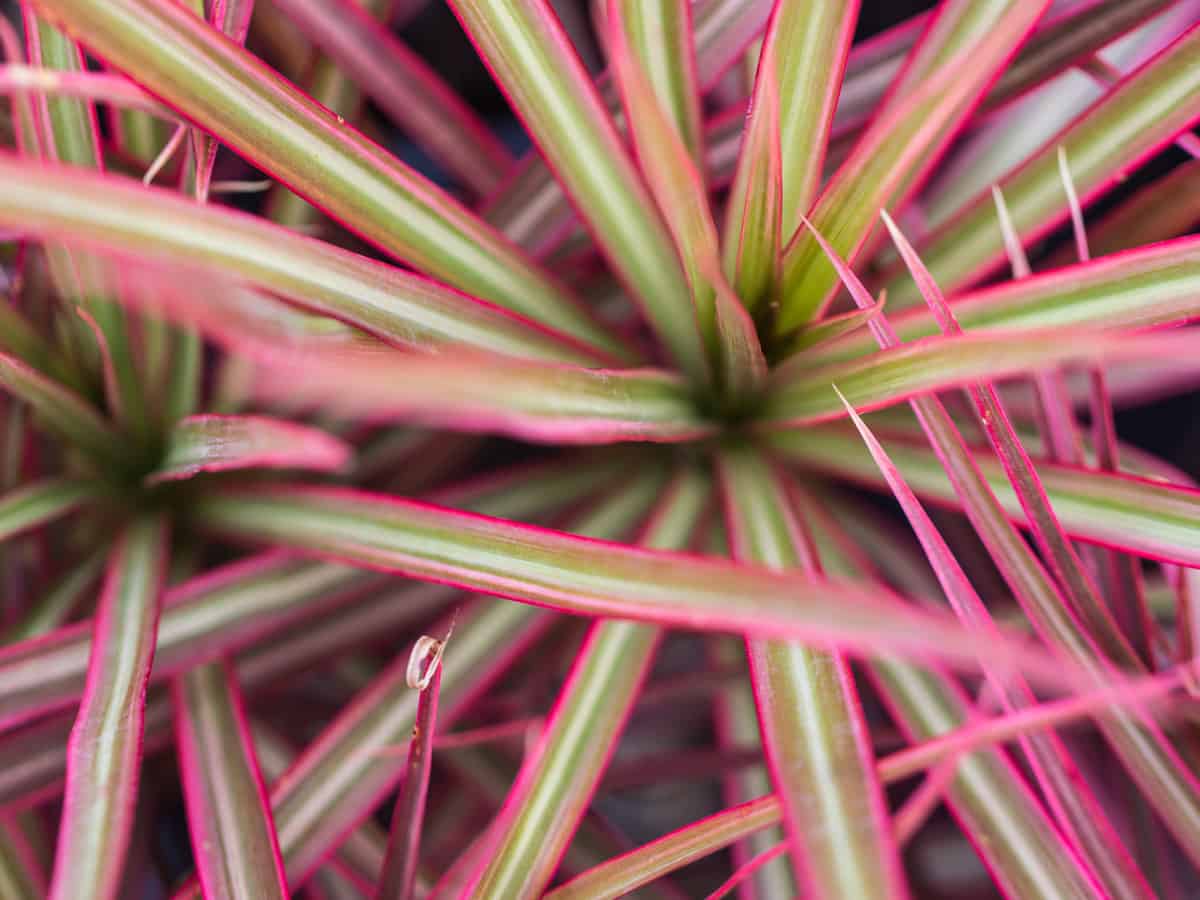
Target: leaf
<point>532,58</point>
<point>570,574</point>
<point>480,393</point>
<point>831,328</point>
<point>656,38</point>
<point>1154,285</point>
<point>1075,807</point>
<point>221,443</point>
<point>61,410</point>
<point>1143,749</point>
<point>251,109</point>
<point>40,502</point>
<point>160,226</point>
<point>898,144</point>
<point>1140,115</point>
<point>406,88</point>
<point>398,876</point>
<point>805,52</point>
<point>814,734</point>
<point>561,773</point>
<point>229,819</point>
<point>104,752</point>
<point>753,229</point>
<point>802,394</point>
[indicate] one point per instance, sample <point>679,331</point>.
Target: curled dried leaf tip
<point>422,664</point>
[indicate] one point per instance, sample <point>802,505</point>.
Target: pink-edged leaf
<point>679,191</point>
<point>162,227</point>
<point>802,393</point>
<point>747,871</point>
<point>532,59</point>
<point>60,409</point>
<point>1144,750</point>
<point>1063,561</point>
<point>1154,285</point>
<point>804,55</point>
<point>561,773</point>
<point>898,145</point>
<point>221,443</point>
<point>618,877</point>
<point>1144,112</point>
<point>1142,515</point>
<point>482,393</point>
<point>251,109</point>
<point>1076,808</point>
<point>343,775</point>
<point>832,327</point>
<point>753,232</point>
<point>21,875</point>
<point>41,502</point>
<point>813,730</point>
<point>723,30</point>
<point>406,88</point>
<point>576,575</point>
<point>657,38</point>
<point>204,618</point>
<point>229,819</point>
<point>104,752</point>
<point>100,87</point>
<point>398,877</point>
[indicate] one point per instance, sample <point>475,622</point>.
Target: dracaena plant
<point>259,552</point>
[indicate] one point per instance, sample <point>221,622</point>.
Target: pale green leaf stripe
<point>544,80</point>
<point>805,394</point>
<point>660,35</point>
<point>20,875</point>
<point>813,732</point>
<point>60,409</point>
<point>105,748</point>
<point>1154,285</point>
<point>811,44</point>
<point>122,216</point>
<point>252,109</point>
<point>1143,516</point>
<point>895,147</point>
<point>570,574</point>
<point>1160,100</point>
<point>40,502</point>
<point>556,783</point>
<point>229,819</point>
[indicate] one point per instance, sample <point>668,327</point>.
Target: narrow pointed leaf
<point>728,334</point>
<point>531,57</point>
<point>559,776</point>
<point>251,109</point>
<point>221,443</point>
<point>754,213</point>
<point>894,148</point>
<point>60,409</point>
<point>398,875</point>
<point>576,575</point>
<point>832,327</point>
<point>36,504</point>
<point>805,52</point>
<point>803,393</point>
<point>657,35</point>
<point>1153,285</point>
<point>104,752</point>
<point>161,226</point>
<point>1144,112</point>
<point>229,819</point>
<point>406,88</point>
<point>472,392</point>
<point>812,725</point>
<point>1145,751</point>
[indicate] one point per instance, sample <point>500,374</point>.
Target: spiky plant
<point>539,666</point>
